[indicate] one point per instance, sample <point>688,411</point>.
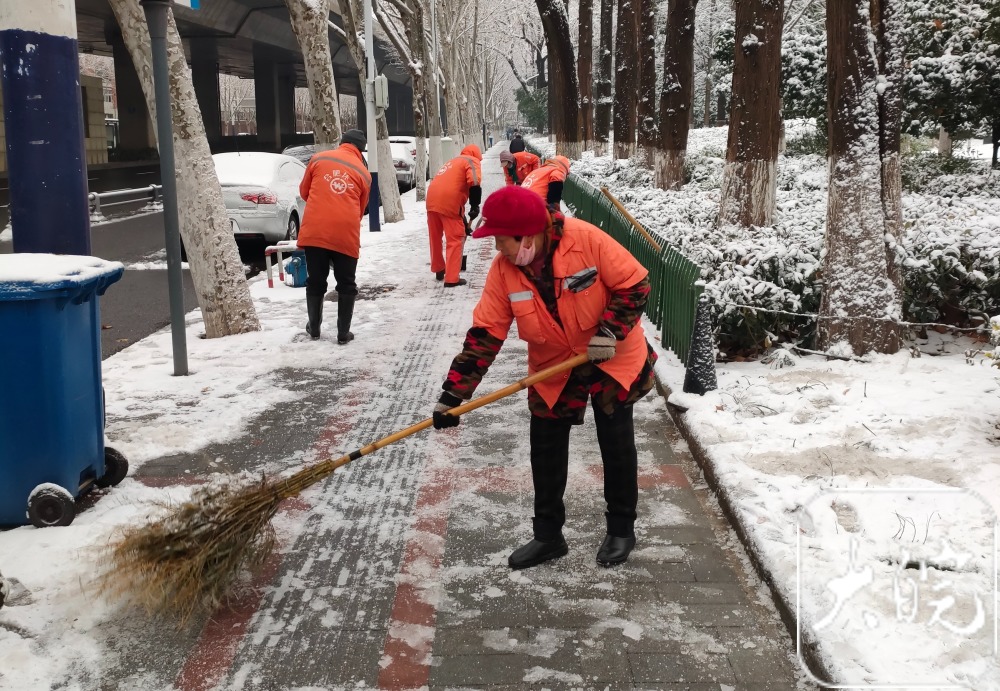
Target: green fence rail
<point>673,302</point>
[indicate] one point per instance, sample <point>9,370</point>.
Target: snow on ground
<point>870,491</point>
<point>844,475</point>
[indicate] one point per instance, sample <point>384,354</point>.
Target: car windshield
<point>248,168</point>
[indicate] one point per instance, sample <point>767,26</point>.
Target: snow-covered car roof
<point>249,167</point>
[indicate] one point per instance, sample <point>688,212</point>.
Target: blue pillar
<point>43,113</point>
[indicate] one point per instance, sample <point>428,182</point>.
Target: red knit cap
<point>512,211</point>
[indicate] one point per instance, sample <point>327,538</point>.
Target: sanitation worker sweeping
<point>189,561</point>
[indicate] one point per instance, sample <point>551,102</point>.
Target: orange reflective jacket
<point>335,186</point>
<point>509,295</point>
<point>449,190</point>
<point>524,163</point>
<point>554,169</point>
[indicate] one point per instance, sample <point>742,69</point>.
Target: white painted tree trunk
<point>216,270</point>
<point>668,169</point>
<point>309,22</point>
<point>388,188</point>
<point>436,156</point>
<point>748,193</point>
<point>944,142</point>
<point>421,172</point>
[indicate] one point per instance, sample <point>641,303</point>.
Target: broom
<point>188,561</point>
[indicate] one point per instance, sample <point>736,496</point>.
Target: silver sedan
<point>261,193</point>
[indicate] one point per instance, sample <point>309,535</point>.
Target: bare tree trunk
<point>602,84</point>
<point>886,22</point>
<point>710,37</point>
<point>678,90</point>
<point>216,270</point>
<point>626,81</point>
<point>858,298</point>
<point>309,22</point>
<point>418,50</point>
<point>749,178</point>
<point>584,71</point>
<point>562,80</point>
<point>392,205</point>
<point>648,136</point>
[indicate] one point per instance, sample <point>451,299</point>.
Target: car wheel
<point>293,227</point>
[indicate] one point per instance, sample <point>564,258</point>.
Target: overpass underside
<point>251,39</point>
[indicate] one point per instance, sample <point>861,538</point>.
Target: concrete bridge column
<point>265,84</point>
<point>205,75</point>
<point>400,114</point>
<point>44,127</point>
<point>286,106</point>
<point>135,127</point>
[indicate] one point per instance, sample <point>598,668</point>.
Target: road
<point>138,304</point>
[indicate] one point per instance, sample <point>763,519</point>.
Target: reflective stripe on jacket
<point>449,190</point>
<point>509,295</point>
<point>554,169</point>
<point>335,187</point>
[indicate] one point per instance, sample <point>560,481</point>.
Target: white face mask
<point>526,252</point>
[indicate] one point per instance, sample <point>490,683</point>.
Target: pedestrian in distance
<point>547,180</point>
<point>335,188</point>
<point>516,167</point>
<point>458,182</point>
<point>517,143</point>
<point>571,289</point>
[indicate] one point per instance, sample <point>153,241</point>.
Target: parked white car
<point>411,145</point>
<point>261,193</point>
<point>404,164</point>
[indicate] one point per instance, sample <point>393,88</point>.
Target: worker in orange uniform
<point>456,183</point>
<point>517,166</point>
<point>335,187</point>
<point>572,289</point>
<point>547,180</point>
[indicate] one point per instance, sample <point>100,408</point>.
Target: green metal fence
<point>674,299</point>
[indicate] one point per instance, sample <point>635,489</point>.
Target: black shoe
<point>614,550</point>
<point>343,339</point>
<point>460,282</point>
<point>537,552</point>
<point>439,276</point>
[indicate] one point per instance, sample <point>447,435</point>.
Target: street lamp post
<point>156,18</point>
<point>373,198</point>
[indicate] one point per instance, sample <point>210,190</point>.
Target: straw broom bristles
<point>187,562</point>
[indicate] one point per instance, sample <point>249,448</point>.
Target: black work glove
<point>475,197</point>
<point>554,194</point>
<point>441,419</point>
<point>473,212</point>
<point>468,227</point>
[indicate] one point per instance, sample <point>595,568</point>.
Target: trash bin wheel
<point>115,468</point>
<point>50,505</point>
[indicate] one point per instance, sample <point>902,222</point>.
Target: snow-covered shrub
<point>765,282</point>
<point>922,172</point>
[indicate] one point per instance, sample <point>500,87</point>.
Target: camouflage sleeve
<point>625,309</point>
<point>470,366</point>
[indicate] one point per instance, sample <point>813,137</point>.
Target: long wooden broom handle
<point>464,408</point>
<point>631,219</point>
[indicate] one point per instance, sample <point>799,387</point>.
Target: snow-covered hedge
<point>764,281</point>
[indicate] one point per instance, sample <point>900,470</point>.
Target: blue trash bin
<point>52,413</point>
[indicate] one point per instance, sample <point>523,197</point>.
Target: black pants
<point>550,466</point>
<point>318,262</point>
